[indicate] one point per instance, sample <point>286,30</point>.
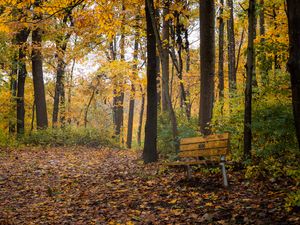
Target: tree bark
<point>231,48</point>
<point>38,80</point>
<point>221,53</point>
<point>22,73</point>
<point>263,60</point>
<point>13,90</point>
<point>132,94</point>
<point>61,46</point>
<point>160,50</point>
<point>139,133</point>
<point>150,145</point>
<point>293,11</point>
<point>165,56</point>
<point>207,59</point>
<point>249,83</point>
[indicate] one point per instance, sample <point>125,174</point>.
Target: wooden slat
<point>208,138</point>
<point>205,152</point>
<point>204,145</point>
<point>179,163</point>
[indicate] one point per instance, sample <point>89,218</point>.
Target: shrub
<point>69,136</point>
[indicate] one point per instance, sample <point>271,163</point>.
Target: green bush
<point>165,142</point>
<point>69,137</point>
<point>293,200</point>
<point>273,129</point>
<point>6,140</point>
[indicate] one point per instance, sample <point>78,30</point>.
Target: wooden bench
<point>213,148</point>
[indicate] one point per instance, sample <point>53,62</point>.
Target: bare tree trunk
<point>160,50</point>
<point>231,48</point>
<point>38,80</point>
<point>221,54</point>
<point>139,133</point>
<point>207,58</point>
<point>250,71</point>
<point>293,11</point>
<point>13,90</point>
<point>132,94</point>
<point>165,56</point>
<point>70,91</point>
<point>22,73</point>
<point>263,60</point>
<point>150,145</point>
<point>61,46</point>
<point>239,51</point>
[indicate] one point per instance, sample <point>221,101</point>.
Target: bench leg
<point>188,172</point>
<point>224,171</point>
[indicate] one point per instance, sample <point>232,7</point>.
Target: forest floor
<point>103,186</point>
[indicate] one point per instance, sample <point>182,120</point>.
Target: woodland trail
<point>103,186</point>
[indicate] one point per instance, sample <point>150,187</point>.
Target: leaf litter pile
<point>104,186</point>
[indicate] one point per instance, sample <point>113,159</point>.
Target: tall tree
<point>293,11</point>
<point>132,93</point>
<point>231,48</point>
<point>37,73</point>
<point>221,52</point>
<point>150,145</point>
<point>22,73</point>
<point>59,93</point>
<point>207,59</point>
<point>249,72</point>
<point>139,132</point>
<point>160,50</point>
<point>165,56</point>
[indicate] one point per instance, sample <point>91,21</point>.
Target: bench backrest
<point>211,145</point>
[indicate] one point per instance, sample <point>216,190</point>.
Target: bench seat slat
<point>215,137</point>
<point>197,162</point>
<point>204,145</point>
<point>204,152</point>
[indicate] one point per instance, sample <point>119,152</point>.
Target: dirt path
<point>94,186</point>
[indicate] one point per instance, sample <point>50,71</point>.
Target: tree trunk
<point>263,60</point>
<point>61,46</point>
<point>231,49</point>
<point>38,80</point>
<point>207,59</point>
<point>249,72</point>
<point>22,73</point>
<point>160,50</point>
<point>221,53</point>
<point>165,56</point>
<point>130,117</point>
<point>132,94</point>
<point>150,145</point>
<point>13,90</point>
<point>139,133</point>
<point>293,11</point>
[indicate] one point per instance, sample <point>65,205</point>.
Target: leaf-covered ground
<point>102,186</point>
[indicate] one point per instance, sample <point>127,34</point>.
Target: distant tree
<point>293,11</point>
